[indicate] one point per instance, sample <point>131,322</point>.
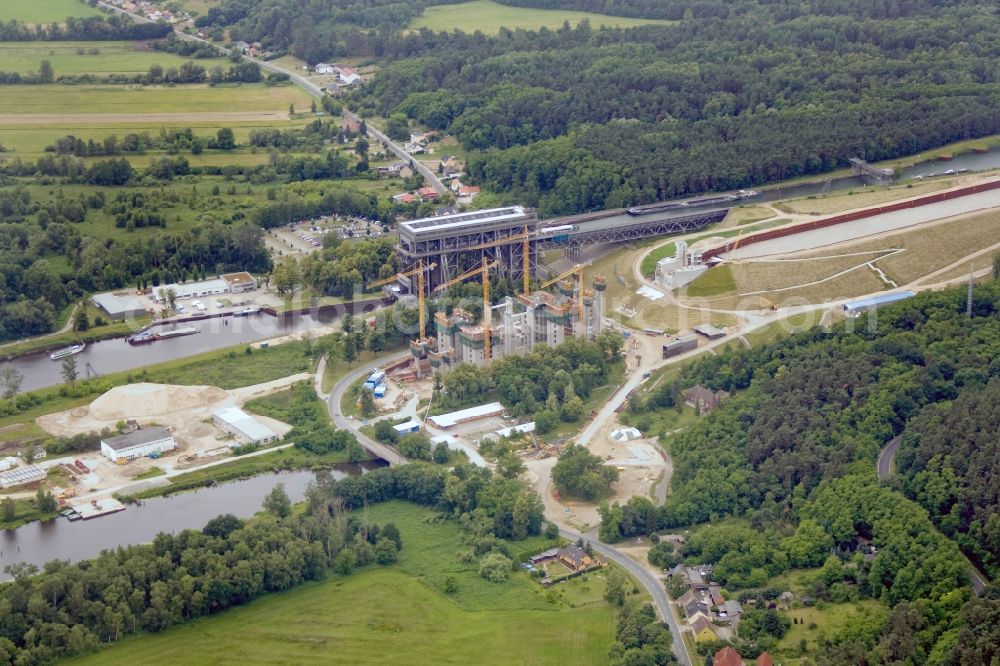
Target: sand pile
<point>145,400</point>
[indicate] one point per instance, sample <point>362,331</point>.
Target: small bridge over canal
<point>861,168</point>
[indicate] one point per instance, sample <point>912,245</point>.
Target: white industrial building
<point>22,476</point>
<point>119,307</point>
<point>681,269</point>
<point>138,444</point>
<point>242,426</point>
<point>230,283</point>
<point>446,421</point>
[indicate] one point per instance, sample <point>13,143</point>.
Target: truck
<point>376,378</point>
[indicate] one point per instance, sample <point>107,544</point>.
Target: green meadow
<point>98,58</point>
<point>119,103</point>
<point>488,17</point>
<point>44,11</point>
<point>395,615</point>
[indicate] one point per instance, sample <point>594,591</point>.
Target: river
<point>37,543</point>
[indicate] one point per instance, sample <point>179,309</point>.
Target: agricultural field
<point>98,58</point>
<point>59,105</point>
<point>397,615</point>
<point>489,17</point>
<point>29,140</point>
<point>44,11</point>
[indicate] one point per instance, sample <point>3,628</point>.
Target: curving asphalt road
<point>883,467</point>
<point>653,585</point>
<point>351,425</point>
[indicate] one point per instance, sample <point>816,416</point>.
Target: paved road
<point>653,585</point>
<point>883,467</point>
<point>884,464</point>
<point>340,421</point>
<point>421,168</point>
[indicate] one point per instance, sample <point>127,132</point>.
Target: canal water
<point>38,543</point>
<point>116,355</point>
<point>968,162</point>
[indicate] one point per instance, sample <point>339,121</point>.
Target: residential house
<point>405,198</point>
<point>323,68</point>
<point>427,193</point>
<point>704,632</point>
<point>694,608</point>
<point>697,577</point>
<point>575,558</point>
<point>733,609</point>
<point>716,593</point>
<point>389,170</point>
<point>702,399</point>
<point>764,660</point>
<point>544,556</point>
<point>688,597</point>
<point>727,656</point>
<point>466,193</point>
<point>451,166</point>
<point>242,47</point>
<point>347,75</point>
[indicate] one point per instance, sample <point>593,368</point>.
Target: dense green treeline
<point>793,455</point>
<point>92,28</point>
<point>947,461</point>
<point>70,609</point>
<point>33,288</point>
<point>577,119</point>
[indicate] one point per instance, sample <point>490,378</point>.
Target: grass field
<point>860,198</point>
<point>398,615</point>
<point>30,139</point>
<point>489,17</point>
<point>715,281</point>
<point>44,11</point>
<point>117,104</point>
<point>821,623</point>
<point>70,58</point>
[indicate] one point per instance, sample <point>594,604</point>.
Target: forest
<point>793,456</point>
<point>33,289</point>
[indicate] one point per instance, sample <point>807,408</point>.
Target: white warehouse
<point>138,444</point>
<point>242,426</point>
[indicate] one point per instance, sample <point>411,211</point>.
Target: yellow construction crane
<point>524,236</point>
<point>578,272</point>
<point>483,270</point>
<point>419,272</point>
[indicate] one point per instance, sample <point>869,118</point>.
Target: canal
<point>37,543</point>
<point>116,355</point>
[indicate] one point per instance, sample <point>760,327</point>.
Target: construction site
<point>550,306</point>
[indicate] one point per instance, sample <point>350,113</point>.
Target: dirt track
<point>138,118</point>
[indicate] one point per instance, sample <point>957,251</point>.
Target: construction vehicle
<point>483,271</point>
<point>768,303</point>
<point>525,237</point>
<point>419,271</point>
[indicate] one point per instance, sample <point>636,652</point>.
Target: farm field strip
<point>489,17</point>
<point>48,104</point>
<point>44,11</point>
<point>72,58</point>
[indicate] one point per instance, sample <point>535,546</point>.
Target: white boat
<point>68,351</point>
